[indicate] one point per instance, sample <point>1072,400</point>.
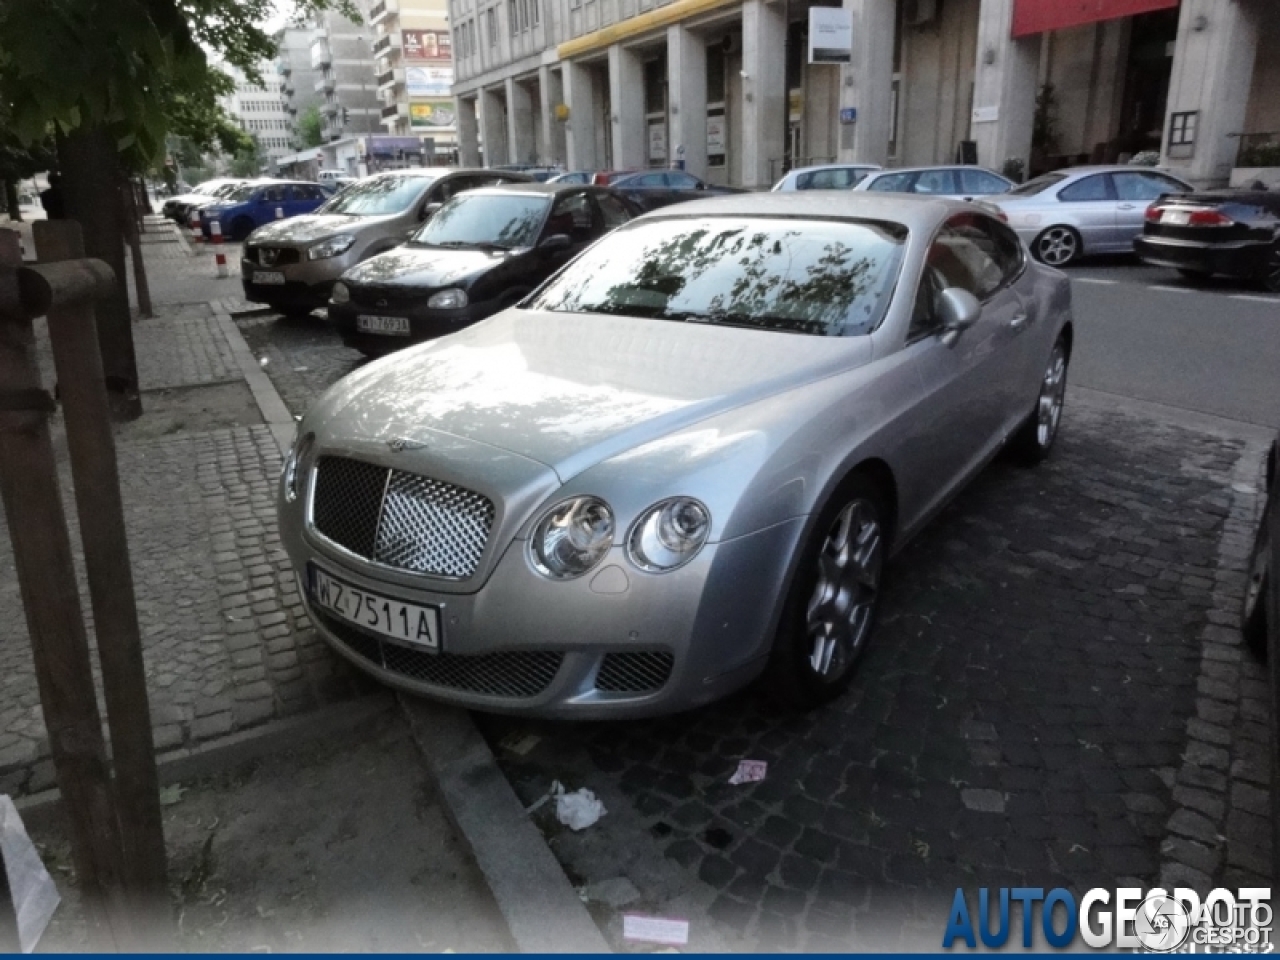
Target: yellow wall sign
<point>435,113</point>
<point>562,111</point>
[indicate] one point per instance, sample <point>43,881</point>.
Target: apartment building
<point>414,72</point>
<point>261,110</point>
<point>341,55</point>
<point>740,90</point>
<point>297,77</point>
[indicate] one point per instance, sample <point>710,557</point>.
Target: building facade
<point>297,78</point>
<point>729,87</point>
<point>262,112</point>
<point>342,55</point>
<point>414,72</point>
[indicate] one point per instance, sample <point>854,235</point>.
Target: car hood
<point>570,390</point>
<point>423,267</point>
<point>309,229</point>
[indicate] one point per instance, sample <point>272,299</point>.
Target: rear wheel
<point>834,597</point>
<point>1034,439</point>
<point>1057,246</point>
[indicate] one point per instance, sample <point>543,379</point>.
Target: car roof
<point>914,212</point>
<point>1104,168</point>
<point>539,188</point>
<point>836,166</point>
<point>937,166</point>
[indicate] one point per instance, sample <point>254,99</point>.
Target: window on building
<point>1182,133</point>
<point>491,21</point>
<point>535,13</point>
<point>512,22</point>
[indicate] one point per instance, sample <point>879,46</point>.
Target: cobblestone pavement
<point>226,642</point>
<point>1056,696</point>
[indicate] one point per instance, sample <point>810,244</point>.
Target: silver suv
<point>291,265</point>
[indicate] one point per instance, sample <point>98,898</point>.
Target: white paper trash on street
<point>749,771</point>
<point>669,930</point>
<point>578,810</point>
<point>34,895</point>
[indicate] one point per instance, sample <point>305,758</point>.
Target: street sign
<point>848,114</point>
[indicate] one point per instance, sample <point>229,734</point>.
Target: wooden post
<point>47,582</point>
<point>91,443</point>
<point>132,230</point>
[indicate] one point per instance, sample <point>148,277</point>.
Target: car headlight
<point>331,247</point>
<point>448,300</point>
<point>669,534</point>
<point>572,537</point>
<point>295,466</point>
<point>340,293</point>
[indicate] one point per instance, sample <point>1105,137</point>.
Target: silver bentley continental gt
<point>679,465</point>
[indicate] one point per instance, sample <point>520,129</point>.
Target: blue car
<point>258,202</point>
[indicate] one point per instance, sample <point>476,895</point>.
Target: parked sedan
<point>831,176</point>
<point>291,266</point>
<point>173,207</point>
<point>958,183</point>
<point>658,188</point>
<point>1071,213</point>
<point>482,252</point>
<point>259,202</point>
<point>1236,234</point>
<point>682,463</point>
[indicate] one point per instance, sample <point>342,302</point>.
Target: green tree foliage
<point>248,160</point>
<point>311,127</point>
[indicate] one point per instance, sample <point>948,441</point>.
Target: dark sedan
<point>482,252</point>
<point>658,188</point>
<point>1236,234</point>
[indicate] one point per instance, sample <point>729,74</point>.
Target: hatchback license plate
<point>410,623</point>
<point>395,326</point>
<point>1177,218</point>
<point>268,277</point>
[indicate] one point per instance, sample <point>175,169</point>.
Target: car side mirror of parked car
<point>958,310</point>
<point>429,211</point>
<point>554,243</point>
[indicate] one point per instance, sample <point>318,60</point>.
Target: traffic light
<point>344,115</point>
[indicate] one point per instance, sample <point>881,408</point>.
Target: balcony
<point>284,68</point>
<point>331,108</point>
<point>395,110</point>
<point>382,10</point>
<point>386,43</point>
<point>320,55</point>
<point>390,79</point>
<point>326,84</point>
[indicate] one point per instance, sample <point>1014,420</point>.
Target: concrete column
<point>521,145</point>
<point>626,95</point>
<point>551,136</point>
<point>493,126</point>
<point>580,128</point>
<point>1004,90</point>
<point>687,83</point>
<point>1213,59</point>
<point>764,97</point>
<point>468,133</point>
<point>866,85</point>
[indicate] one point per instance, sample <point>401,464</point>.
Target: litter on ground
<point>749,771</point>
<point>667,930</point>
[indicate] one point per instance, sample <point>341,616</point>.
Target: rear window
<point>1038,185</point>
<point>818,277</point>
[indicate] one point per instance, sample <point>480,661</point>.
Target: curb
<point>225,753</point>
<point>542,910</point>
<point>274,412</point>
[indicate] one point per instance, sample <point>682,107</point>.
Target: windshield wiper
<point>468,245</point>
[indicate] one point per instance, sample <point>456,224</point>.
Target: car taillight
<point>1153,213</point>
<point>1209,218</point>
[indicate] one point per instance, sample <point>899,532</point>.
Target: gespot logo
<point>1153,921</point>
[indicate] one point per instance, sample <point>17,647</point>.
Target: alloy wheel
<point>1053,389</point>
<point>840,610</point>
<point>1058,245</point>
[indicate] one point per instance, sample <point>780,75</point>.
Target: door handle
<point>1127,206</point>
<point>1018,322</point>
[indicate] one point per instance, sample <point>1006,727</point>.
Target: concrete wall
<point>1264,97</point>
<point>937,80</point>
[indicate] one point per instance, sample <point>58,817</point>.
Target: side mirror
<point>554,243</point>
<point>429,211</point>
<point>959,310</point>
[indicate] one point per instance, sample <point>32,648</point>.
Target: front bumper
<point>694,634</point>
<point>1232,260</point>
<point>424,323</point>
<point>306,283</point>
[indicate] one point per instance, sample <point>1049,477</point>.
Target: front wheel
<point>241,227</point>
<point>1057,246</point>
<point>835,595</point>
<point>1034,439</point>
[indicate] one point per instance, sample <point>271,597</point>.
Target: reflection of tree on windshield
<point>817,278</point>
<point>485,220</point>
<point>377,196</point>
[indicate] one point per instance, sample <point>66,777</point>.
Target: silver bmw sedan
<point>681,464</point>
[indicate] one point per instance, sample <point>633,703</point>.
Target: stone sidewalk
<point>227,644</point>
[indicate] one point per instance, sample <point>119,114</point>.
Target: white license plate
<point>1178,218</point>
<point>396,326</point>
<point>268,277</point>
<point>408,622</point>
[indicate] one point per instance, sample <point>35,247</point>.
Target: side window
<point>1142,186</point>
<point>967,255</point>
<point>924,315</point>
<point>315,193</point>
<point>891,183</point>
<point>934,182</point>
<point>273,195</point>
<point>649,180</point>
<point>974,182</point>
<point>572,216</point>
<point>612,210</point>
<point>837,178</point>
<point>450,188</point>
<point>1097,187</point>
<point>682,181</point>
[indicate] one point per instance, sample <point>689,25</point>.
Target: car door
<point>272,205</point>
<point>613,211</point>
<point>970,382</point>
<point>1135,191</point>
<point>1089,205</point>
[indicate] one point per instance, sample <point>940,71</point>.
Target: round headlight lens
<point>448,300</point>
<point>669,534</point>
<point>572,537</point>
<point>340,293</point>
<point>295,466</point>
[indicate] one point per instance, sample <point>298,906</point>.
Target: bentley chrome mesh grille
<point>517,674</point>
<point>634,672</point>
<point>401,519</point>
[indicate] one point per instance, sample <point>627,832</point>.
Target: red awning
<point>1037,16</point>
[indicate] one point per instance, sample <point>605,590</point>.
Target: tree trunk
<point>133,234</point>
<point>90,181</point>
<point>11,201</point>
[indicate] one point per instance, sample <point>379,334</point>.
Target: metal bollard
<point>193,224</point>
<point>279,213</point>
<point>219,258</point>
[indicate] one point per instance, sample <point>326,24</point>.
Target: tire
<point>1253,613</point>
<point>241,227</point>
<point>1195,276</point>
<point>1034,440</point>
<point>1057,246</point>
<point>831,607</point>
<point>1270,276</point>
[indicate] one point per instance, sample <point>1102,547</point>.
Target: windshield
<point>820,277</point>
<point>1038,185</point>
<point>240,193</point>
<point>485,220</point>
<point>378,196</point>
